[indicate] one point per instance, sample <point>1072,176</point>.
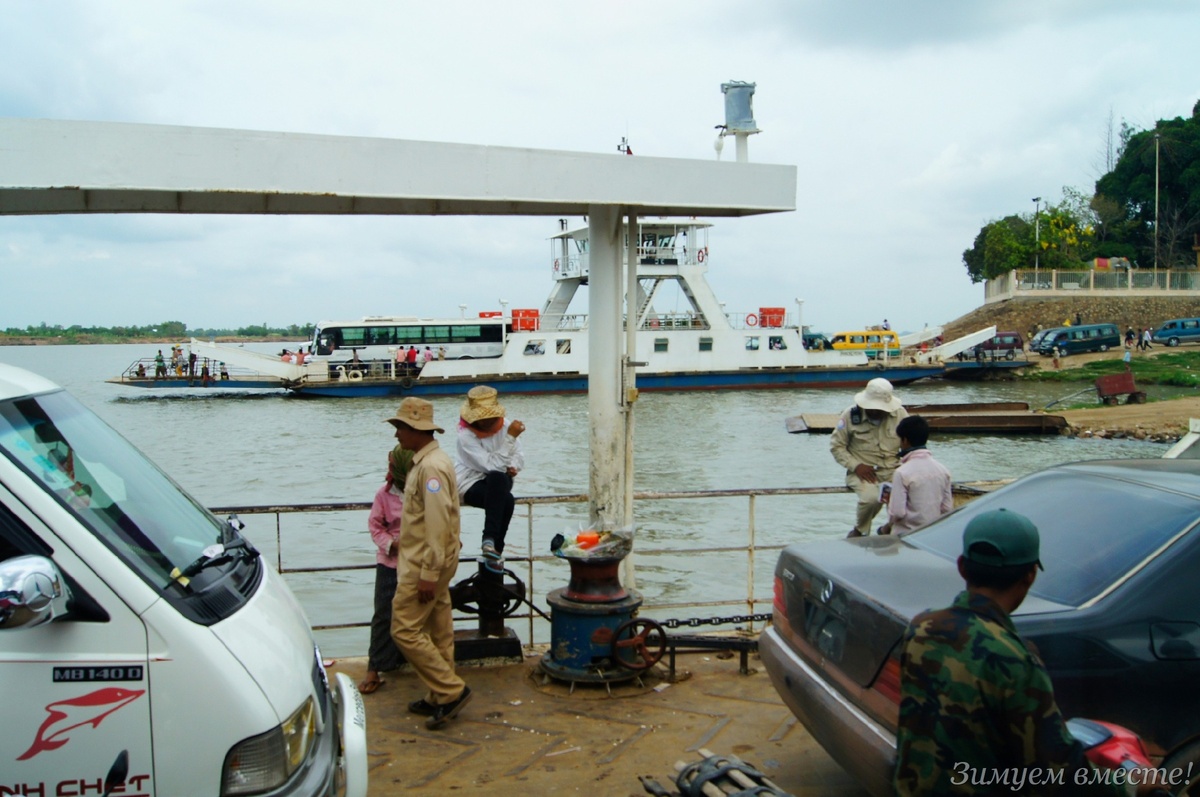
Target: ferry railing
<point>530,562</point>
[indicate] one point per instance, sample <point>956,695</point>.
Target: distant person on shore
<point>1078,319</point>
<point>1147,335</point>
<point>1067,321</point>
<point>1130,337</point>
<point>920,487</point>
<point>866,444</point>
<point>489,458</point>
<point>384,523</point>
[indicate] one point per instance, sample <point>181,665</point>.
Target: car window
<point>134,508</point>
<point>1093,529</point>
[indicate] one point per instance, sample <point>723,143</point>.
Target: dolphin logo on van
<point>67,715</point>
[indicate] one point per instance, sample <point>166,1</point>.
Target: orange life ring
<point>703,253</point>
<point>751,320</point>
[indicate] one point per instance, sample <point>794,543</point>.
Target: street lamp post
<point>1156,209</point>
<point>1037,237</point>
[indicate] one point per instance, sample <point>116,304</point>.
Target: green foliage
<point>1166,157</point>
<point>1178,369</point>
<point>1118,220</point>
<point>167,330</point>
<point>999,247</point>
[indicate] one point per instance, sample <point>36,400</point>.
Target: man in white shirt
<point>489,457</point>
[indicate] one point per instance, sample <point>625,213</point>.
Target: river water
<point>246,448</point>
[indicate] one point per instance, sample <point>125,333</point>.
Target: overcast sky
<point>912,124</point>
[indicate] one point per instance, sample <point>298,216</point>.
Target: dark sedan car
<point>1115,615</point>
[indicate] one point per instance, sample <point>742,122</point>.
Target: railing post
<point>750,561</point>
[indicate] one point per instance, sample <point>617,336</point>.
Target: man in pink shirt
<point>920,488</point>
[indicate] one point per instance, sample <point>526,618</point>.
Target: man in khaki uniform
<point>866,444</point>
<point>427,558</point>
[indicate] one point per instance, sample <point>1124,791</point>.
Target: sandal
<point>368,685</point>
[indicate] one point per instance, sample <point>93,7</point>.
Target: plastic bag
<point>587,543</point>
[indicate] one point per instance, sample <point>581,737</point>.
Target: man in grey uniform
<point>866,444</point>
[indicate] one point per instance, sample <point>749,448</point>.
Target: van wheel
<point>1173,342</point>
<point>1062,351</point>
<point>1103,347</point>
<point>1012,354</point>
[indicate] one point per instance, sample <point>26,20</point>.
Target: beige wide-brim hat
<point>878,395</point>
<point>417,413</point>
<point>482,403</point>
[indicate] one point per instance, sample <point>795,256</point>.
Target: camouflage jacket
<point>977,711</point>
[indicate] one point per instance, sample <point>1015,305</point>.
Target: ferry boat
<point>685,339</point>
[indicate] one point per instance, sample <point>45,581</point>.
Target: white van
<point>145,646</point>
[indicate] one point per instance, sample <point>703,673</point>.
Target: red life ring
<point>703,253</point>
<point>751,320</point>
<point>556,264</point>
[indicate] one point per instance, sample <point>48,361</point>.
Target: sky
<point>911,126</point>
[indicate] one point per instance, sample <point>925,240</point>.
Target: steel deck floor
<point>519,736</point>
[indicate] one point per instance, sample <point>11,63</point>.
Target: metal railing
<point>1130,282</point>
<point>529,562</point>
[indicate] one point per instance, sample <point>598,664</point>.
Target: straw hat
<point>416,413</point>
<point>481,404</point>
<point>878,395</point>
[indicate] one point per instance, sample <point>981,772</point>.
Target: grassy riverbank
<point>1175,367</point>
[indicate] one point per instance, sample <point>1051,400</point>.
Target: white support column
<point>606,493</point>
<point>629,377</point>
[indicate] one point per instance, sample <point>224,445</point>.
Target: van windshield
<point>132,506</point>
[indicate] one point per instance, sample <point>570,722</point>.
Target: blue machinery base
<point>581,638</point>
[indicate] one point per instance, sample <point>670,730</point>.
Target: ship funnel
<point>739,115</point>
<point>739,107</point>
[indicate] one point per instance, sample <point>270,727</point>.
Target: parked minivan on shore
<point>1080,339</point>
<point>147,648</point>
<point>1178,330</point>
<point>1004,345</point>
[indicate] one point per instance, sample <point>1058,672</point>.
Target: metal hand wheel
<point>639,644</point>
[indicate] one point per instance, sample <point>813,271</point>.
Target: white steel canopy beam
<point>106,167</point>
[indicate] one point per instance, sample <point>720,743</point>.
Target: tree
<point>1166,157</point>
<point>1000,247</point>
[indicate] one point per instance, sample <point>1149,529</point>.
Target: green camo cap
<point>1010,533</point>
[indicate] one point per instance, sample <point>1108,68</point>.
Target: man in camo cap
<point>975,699</point>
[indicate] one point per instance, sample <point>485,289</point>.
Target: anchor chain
<point>696,622</point>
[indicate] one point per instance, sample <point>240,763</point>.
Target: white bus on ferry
<point>376,338</point>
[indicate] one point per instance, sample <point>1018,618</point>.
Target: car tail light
<point>779,602</point>
<point>887,683</point>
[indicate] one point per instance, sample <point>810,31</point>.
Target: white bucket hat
<point>878,395</point>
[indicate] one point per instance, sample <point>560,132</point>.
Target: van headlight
<point>264,762</point>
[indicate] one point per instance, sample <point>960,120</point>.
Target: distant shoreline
<point>88,340</point>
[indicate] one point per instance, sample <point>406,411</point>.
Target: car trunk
<point>851,623</point>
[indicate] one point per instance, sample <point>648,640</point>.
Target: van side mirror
<point>32,592</point>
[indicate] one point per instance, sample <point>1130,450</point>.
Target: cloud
<point>911,125</point>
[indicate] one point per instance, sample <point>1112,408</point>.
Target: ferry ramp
<point>520,736</point>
